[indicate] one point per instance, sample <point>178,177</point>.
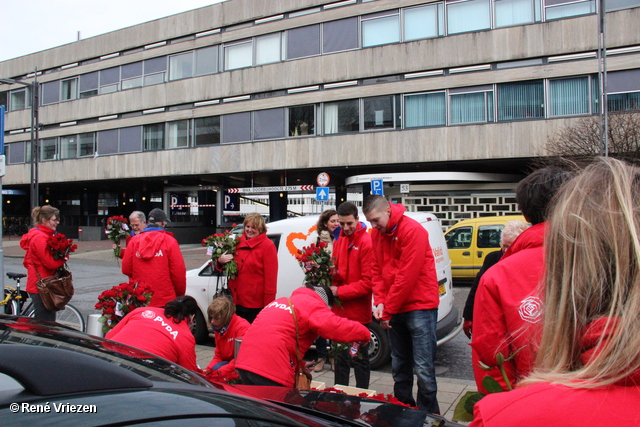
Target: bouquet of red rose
<point>217,245</point>
<point>61,246</point>
<point>120,300</point>
<point>117,228</point>
<point>317,264</point>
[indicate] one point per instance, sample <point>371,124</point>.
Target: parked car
<point>470,241</point>
<point>56,376</point>
<point>289,235</point>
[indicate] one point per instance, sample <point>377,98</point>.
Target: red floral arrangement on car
<point>121,300</point>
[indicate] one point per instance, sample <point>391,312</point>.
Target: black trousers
<point>250,378</point>
<point>249,314</point>
<point>361,368</point>
<point>41,312</point>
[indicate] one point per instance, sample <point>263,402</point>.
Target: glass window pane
<point>130,139</point>
<point>302,120</point>
<point>468,107</point>
<point>108,142</point>
<point>513,12</point>
<point>128,71</point>
<point>340,35</point>
<point>624,101</point>
<point>489,236</point>
<point>153,137</point>
<point>471,15</point>
<point>155,65</point>
<point>178,134</point>
<point>18,100</point>
<point>378,112</point>
<point>69,89</point>
<point>238,56</point>
<point>50,92</point>
<point>4,100</point>
<point>381,31</point>
<point>517,101</point>
<point>86,143</point>
<point>623,81</point>
<point>620,4</point>
<point>268,49</point>
<point>459,238</point>
<point>569,96</point>
<point>89,84</point>
<point>181,66</point>
<point>421,22</point>
<point>268,124</point>
<point>132,83</point>
<point>48,149</point>
<point>341,116</point>
<point>207,60</point>
<point>570,9</point>
<point>69,147</point>
<point>109,76</point>
<point>303,41</point>
<point>427,109</point>
<point>16,153</point>
<point>207,131</point>
<point>153,79</point>
<point>236,127</point>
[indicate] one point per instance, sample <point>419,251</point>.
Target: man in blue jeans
<point>405,290</point>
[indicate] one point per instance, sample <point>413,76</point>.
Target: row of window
<point>398,25</point>
<point>536,99</point>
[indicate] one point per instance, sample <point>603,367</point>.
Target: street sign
<point>376,187</point>
<point>322,194</point>
<point>270,189</point>
<point>323,179</point>
<point>404,188</point>
<point>231,202</point>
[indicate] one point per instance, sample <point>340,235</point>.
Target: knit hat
<point>323,294</point>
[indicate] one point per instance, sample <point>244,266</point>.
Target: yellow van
<point>469,241</point>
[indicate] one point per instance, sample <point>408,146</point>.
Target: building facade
<point>254,93</point>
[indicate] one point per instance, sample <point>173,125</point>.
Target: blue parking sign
<point>377,187</point>
<point>322,194</point>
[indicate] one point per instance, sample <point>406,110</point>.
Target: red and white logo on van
<point>531,309</point>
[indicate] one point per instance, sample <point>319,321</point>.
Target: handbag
<point>55,291</point>
<point>302,379</point>
<point>222,290</point>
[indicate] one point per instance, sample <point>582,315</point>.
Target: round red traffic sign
<point>323,179</point>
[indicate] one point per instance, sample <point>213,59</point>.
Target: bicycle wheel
<point>12,307</point>
<point>69,316</point>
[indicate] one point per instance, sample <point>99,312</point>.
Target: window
<point>378,112</point>
<point>557,9</point>
<point>302,120</point>
<point>517,101</point>
<point>89,84</point>
<point>130,140</point>
<point>623,88</point>
<point>207,131</point>
<point>238,55</point>
<point>468,15</point>
<point>69,147</point>
<point>423,22</point>
<point>611,5</point>
<point>206,60</point>
<point>489,236</point>
<point>153,137</point>
<point>109,79</point>
<point>236,127</point>
<point>181,66</point>
<point>381,28</point>
<point>16,152</point>
<point>108,142</point>
<point>86,144</point>
<point>4,99</point>
<point>340,35</point>
<point>303,41</point>
<point>427,109</point>
<point>50,92</point>
<point>569,96</point>
<point>268,124</point>
<point>48,149</point>
<point>471,105</point>
<point>341,116</point>
<point>268,49</point>
<point>624,101</point>
<point>154,70</point>
<point>131,75</point>
<point>513,12</point>
<point>459,238</point>
<point>20,99</point>
<point>69,89</point>
<point>178,134</point>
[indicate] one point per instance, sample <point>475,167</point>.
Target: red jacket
<point>256,282</point>
<point>506,315</point>
<point>154,257</point>
<point>38,259</point>
<point>532,237</point>
<point>269,346</point>
<point>225,343</point>
<point>404,272</point>
<point>354,260</point>
<point>148,329</point>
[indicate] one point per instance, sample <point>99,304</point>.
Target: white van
<point>289,235</point>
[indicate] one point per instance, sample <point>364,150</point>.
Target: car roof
<point>498,219</point>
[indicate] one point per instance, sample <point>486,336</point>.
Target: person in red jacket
<point>227,326</point>
<point>137,224</point>
<point>154,257</point>
<point>38,260</point>
<point>352,286</point>
<point>164,331</point>
<point>405,289</point>
<point>255,285</point>
<point>587,368</point>
<point>507,308</point>
<point>268,356</point>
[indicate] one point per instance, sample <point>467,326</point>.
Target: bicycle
<point>15,302</point>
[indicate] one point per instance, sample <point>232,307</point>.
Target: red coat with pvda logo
<point>506,315</point>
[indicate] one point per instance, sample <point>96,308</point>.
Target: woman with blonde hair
<point>255,285</point>
<point>588,365</point>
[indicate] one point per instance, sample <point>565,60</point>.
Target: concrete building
<point>254,93</point>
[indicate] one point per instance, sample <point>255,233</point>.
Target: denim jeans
<point>413,349</point>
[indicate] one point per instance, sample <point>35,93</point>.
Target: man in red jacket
<point>154,257</point>
<point>352,285</point>
<point>405,289</point>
